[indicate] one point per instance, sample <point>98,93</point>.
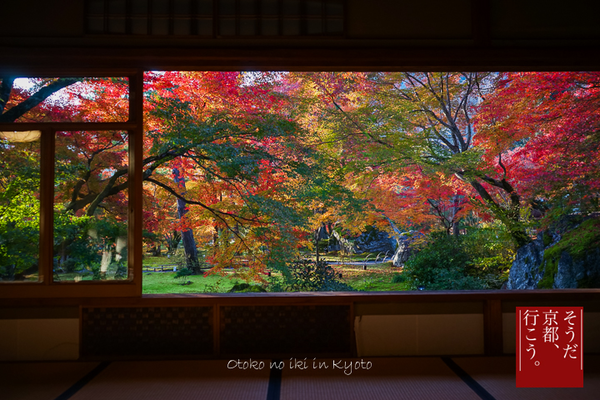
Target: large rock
<point>404,250</point>
<point>573,273</point>
<point>372,241</point>
<point>525,271</point>
<point>375,241</point>
<point>346,246</point>
<point>566,257</point>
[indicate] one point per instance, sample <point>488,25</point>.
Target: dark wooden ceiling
<point>41,37</point>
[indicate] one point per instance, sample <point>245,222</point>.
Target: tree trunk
<point>106,259</point>
<point>172,240</point>
<point>187,235</point>
<point>455,220</point>
<point>317,245</point>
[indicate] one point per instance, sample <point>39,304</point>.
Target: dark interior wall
<point>391,19</point>
<point>544,20</point>
<point>38,18</point>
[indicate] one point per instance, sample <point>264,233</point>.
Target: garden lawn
<point>165,282</point>
<point>377,277</point>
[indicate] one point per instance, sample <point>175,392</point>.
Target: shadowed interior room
<point>96,340</point>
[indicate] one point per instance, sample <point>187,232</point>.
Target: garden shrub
<point>478,260</point>
<point>493,252</point>
<point>246,288</point>
<point>308,276</point>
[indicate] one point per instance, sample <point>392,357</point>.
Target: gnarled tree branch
<point>20,109</point>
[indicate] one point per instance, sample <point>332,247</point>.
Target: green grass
<point>165,282</point>
<point>151,262</point>
<point>377,277</point>
<point>161,260</point>
<point>73,276</point>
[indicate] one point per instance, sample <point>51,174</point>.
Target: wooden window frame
<point>46,287</point>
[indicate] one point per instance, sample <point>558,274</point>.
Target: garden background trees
<point>245,164</point>
<point>398,123</point>
<point>491,147</point>
<point>19,209</point>
<point>547,125</point>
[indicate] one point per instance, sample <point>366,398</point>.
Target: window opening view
<point>90,191</point>
<point>90,206</point>
<point>19,205</point>
<point>321,181</point>
<point>370,181</point>
<point>64,100</point>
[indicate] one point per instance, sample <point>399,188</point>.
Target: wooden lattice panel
<point>216,18</point>
<point>146,331</point>
<point>285,330</point>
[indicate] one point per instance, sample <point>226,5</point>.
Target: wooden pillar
<point>492,327</point>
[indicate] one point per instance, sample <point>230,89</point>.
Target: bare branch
<point>502,165</point>
<point>218,214</point>
<point>360,128</point>
<point>17,111</point>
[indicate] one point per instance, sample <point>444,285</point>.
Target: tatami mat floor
<point>347,379</point>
